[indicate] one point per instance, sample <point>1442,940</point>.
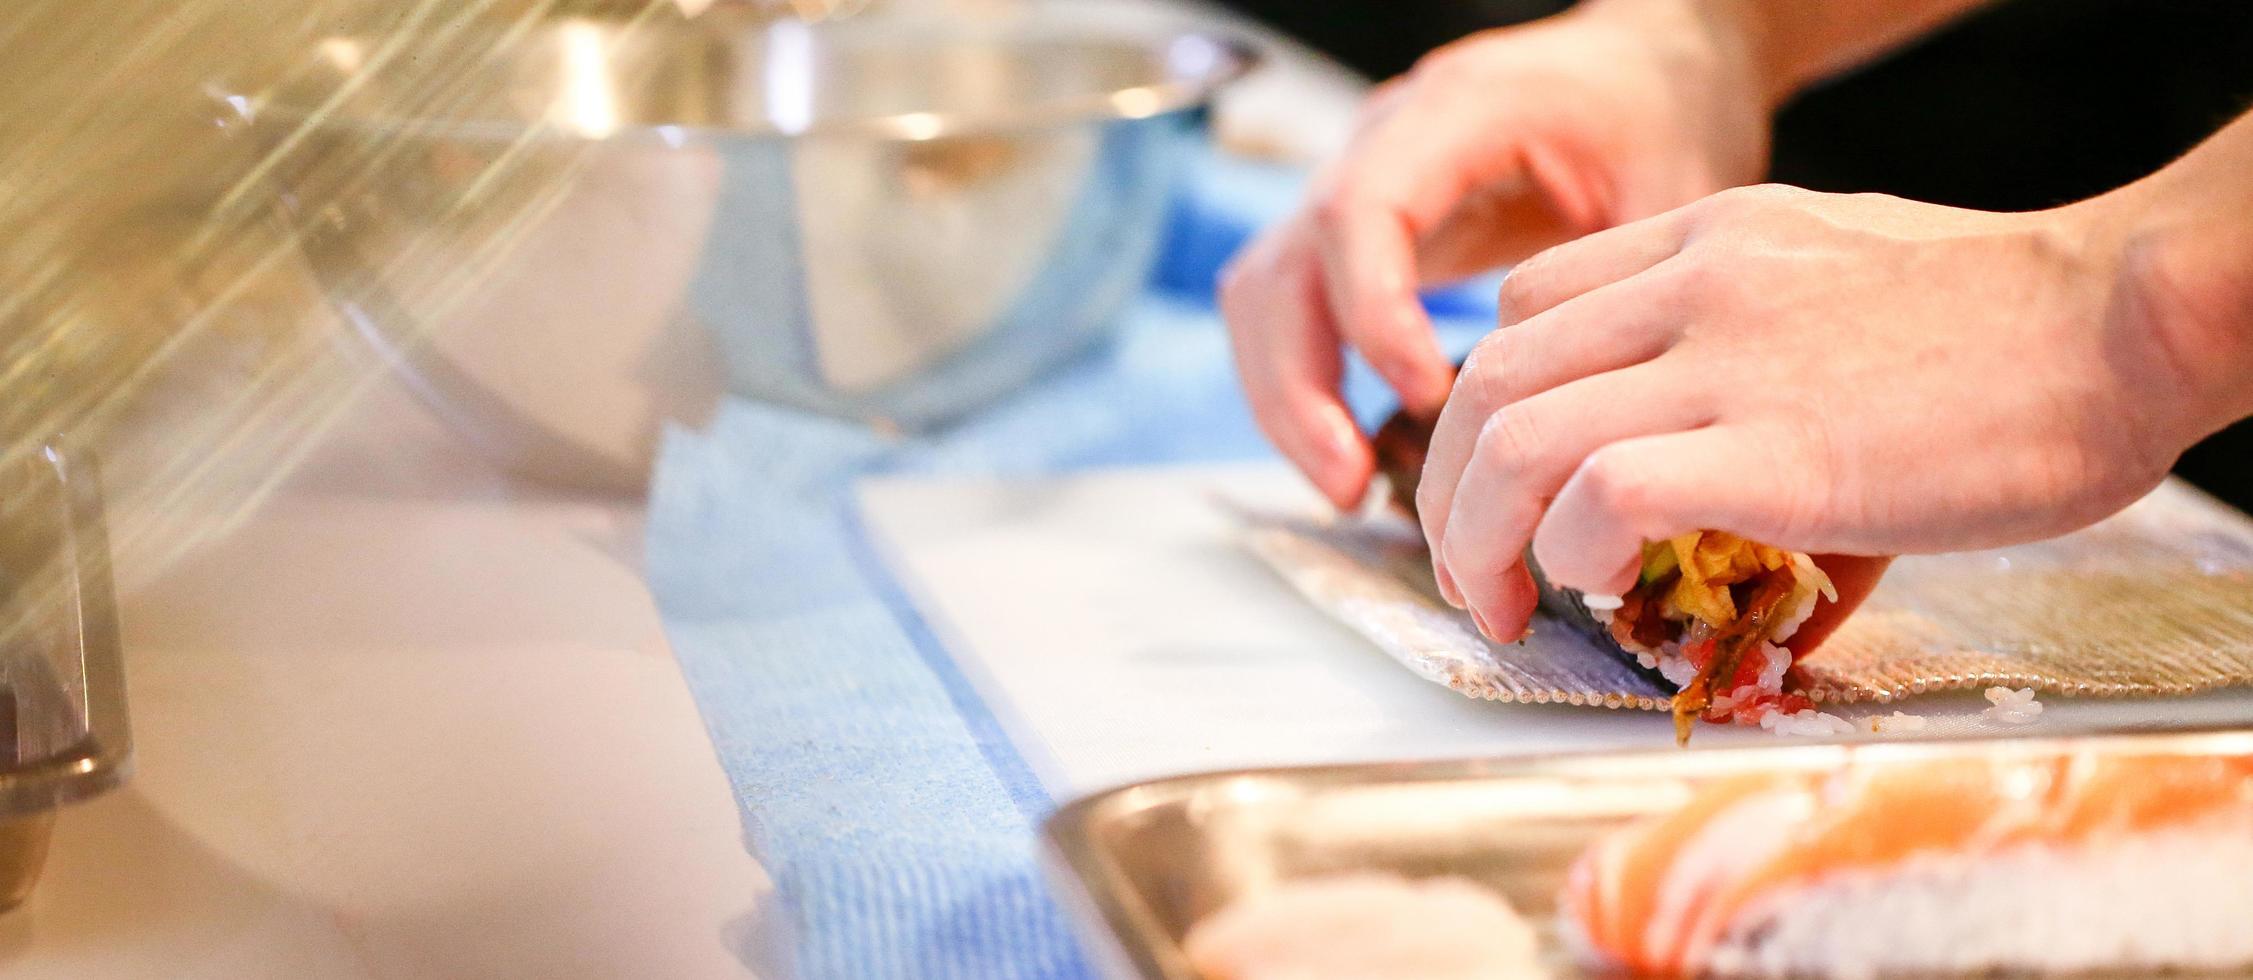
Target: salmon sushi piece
<point>2063,864</point>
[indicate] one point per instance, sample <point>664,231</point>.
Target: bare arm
<point>2185,280</point>
<point>1794,43</point>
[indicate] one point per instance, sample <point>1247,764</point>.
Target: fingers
<point>1644,489</point>
<point>1286,352</point>
<point>1342,273</point>
<point>1410,167</point>
<point>1525,452</point>
<point>1584,200</point>
<point>1369,272</point>
<point>1607,330</point>
<point>1613,327</point>
<point>1590,262</point>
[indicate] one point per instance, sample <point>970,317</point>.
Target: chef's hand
<point>1492,148</point>
<point>1843,374</point>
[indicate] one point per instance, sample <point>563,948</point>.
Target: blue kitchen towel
<point>896,820</point>
<point>1226,200</point>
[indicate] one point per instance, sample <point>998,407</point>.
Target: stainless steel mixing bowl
<point>567,234</point>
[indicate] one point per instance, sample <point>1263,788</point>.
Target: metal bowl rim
<point>1237,58</point>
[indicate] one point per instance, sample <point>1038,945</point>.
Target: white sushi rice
<point>1802,607</point>
<point>2012,707</point>
<point>2175,899</point>
<point>1806,722</point>
<point>1677,671</point>
<point>1771,677</point>
<point>1896,723</point>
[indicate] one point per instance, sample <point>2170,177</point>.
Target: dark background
<point>2027,104</point>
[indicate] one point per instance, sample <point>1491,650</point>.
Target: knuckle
<point>1705,279</point>
<point>1483,381</point>
<point>1726,199</point>
<point>1429,497</point>
<point>1442,65</point>
<point>1770,193</point>
<point>1617,487</point>
<point>1336,206</point>
<point>1521,288</point>
<point>1432,502</point>
<point>1512,439</point>
<point>1737,203</point>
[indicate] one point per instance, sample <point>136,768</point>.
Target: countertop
<point>412,719</point>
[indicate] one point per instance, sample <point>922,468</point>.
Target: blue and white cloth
<point>897,821</point>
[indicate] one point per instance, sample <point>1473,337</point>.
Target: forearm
<point>1799,42</point>
<point>2184,236</point>
<point>1789,44</point>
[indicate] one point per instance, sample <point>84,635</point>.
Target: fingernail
<point>1480,622</point>
<point>1447,589</point>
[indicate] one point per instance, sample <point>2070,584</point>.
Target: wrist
<point>2190,279</point>
<point>1731,40</point>
<point>1786,45</point>
<point>2183,290</point>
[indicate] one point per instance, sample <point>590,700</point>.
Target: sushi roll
<point>1709,614</point>
<point>2053,865</point>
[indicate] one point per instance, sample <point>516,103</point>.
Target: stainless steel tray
<point>1138,865</point>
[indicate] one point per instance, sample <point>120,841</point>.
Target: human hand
<point>1492,148</point>
<point>1857,375</point>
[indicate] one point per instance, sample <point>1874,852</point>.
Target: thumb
<point>1855,577</point>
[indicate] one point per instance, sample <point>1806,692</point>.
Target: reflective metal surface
<point>63,729</point>
<point>570,233</point>
<point>1138,866</point>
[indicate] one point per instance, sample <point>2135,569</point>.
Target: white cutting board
<point>1119,632</point>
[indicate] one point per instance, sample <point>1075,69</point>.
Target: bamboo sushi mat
<point>2156,600</point>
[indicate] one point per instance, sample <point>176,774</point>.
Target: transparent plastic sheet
<point>2157,600</point>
